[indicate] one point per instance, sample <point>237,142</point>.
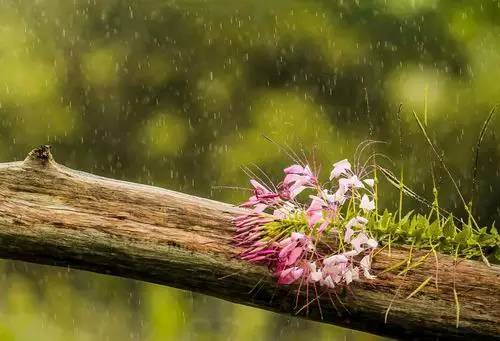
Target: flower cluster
<point>308,232</point>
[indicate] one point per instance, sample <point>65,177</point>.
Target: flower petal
<point>372,243</point>
<point>294,255</point>
<point>285,251</point>
<point>369,182</point>
<point>340,168</point>
<point>335,259</point>
<point>323,226</point>
<point>349,232</point>
<point>365,265</point>
<point>294,169</point>
<point>367,204</point>
<point>359,240</point>
<point>316,276</point>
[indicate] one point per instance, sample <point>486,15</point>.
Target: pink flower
<point>340,168</point>
<point>287,249</point>
<point>315,211</point>
<point>323,226</point>
<point>323,208</point>
<point>262,197</point>
<point>300,237</point>
<point>294,237</point>
<point>316,276</point>
<point>294,255</point>
<point>295,258</point>
<point>250,223</point>
<point>249,232</point>
<point>290,275</point>
<point>335,271</point>
<point>296,190</point>
<point>259,207</point>
<point>258,255</point>
<point>292,250</point>
<point>335,259</point>
<point>294,169</point>
<point>299,170</point>
<point>348,277</point>
<point>297,179</point>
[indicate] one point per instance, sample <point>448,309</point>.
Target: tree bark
<point>50,214</point>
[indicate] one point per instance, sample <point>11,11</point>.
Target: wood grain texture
<point>50,214</point>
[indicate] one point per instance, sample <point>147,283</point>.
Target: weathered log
<point>50,214</point>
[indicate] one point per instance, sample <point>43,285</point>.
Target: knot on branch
<point>40,156</point>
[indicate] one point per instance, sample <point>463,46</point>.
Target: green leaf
<point>463,236</point>
<point>384,220</point>
<point>449,229</point>
<point>419,226</point>
<point>406,218</point>
<point>435,230</point>
<point>497,254</point>
<point>493,230</point>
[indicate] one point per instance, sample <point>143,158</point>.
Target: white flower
<point>352,181</point>
<point>372,243</point>
<point>362,220</point>
<point>369,182</point>
<point>352,274</point>
<point>358,241</point>
<point>366,204</point>
<point>351,253</point>
<point>366,264</point>
<point>340,168</point>
<point>335,259</point>
<point>330,198</point>
<point>314,275</point>
<point>349,232</point>
<point>348,277</point>
<point>328,282</point>
<point>356,221</point>
<point>339,195</point>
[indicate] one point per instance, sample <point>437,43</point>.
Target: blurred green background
<point>178,94</point>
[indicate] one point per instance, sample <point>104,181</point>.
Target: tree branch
<point>50,214</point>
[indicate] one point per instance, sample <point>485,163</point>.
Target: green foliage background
<point>178,94</point>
